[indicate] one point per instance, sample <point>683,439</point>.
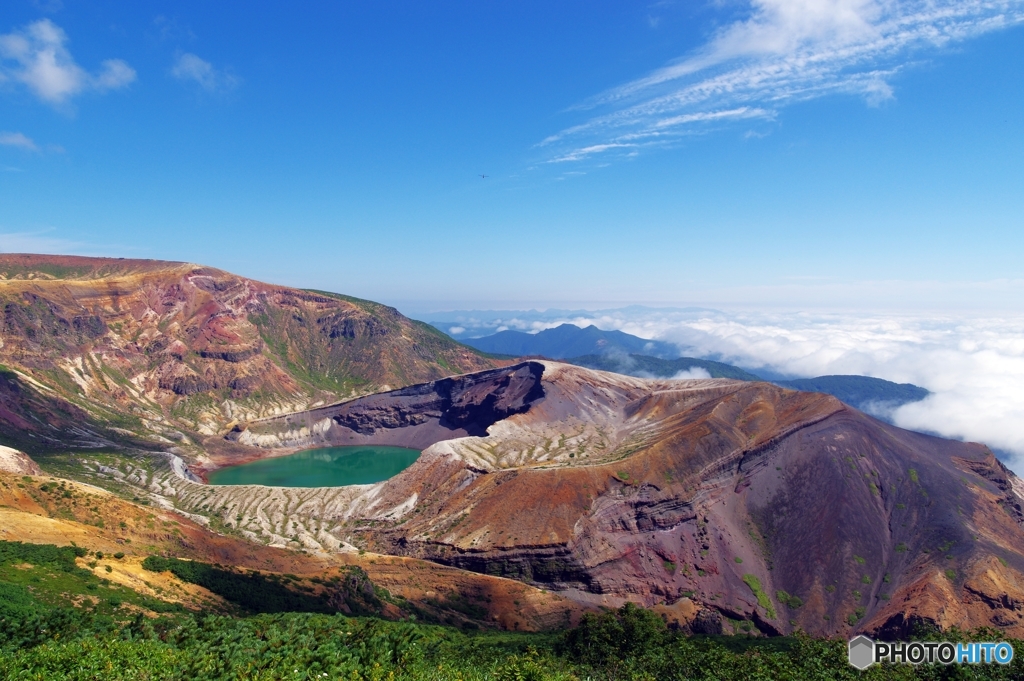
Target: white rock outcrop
<point>15,461</point>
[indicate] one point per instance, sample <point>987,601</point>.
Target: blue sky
<point>827,154</point>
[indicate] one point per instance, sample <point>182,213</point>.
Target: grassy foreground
<point>59,621</point>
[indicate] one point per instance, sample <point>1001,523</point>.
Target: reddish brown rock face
<point>789,509</point>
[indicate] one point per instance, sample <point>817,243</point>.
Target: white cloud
<point>577,154</point>
<point>36,56</point>
<point>115,74</point>
<point>783,51</point>
<point>17,139</point>
<point>695,372</point>
<point>659,130</point>
<point>190,67</point>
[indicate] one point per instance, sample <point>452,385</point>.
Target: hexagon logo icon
<point>862,652</point>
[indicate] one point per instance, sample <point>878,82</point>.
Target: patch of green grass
<point>762,598</point>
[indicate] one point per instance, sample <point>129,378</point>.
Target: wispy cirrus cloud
<point>652,133</point>
<point>190,67</point>
<point>37,57</point>
<point>784,51</point>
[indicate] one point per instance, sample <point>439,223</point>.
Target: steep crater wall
<point>417,416</point>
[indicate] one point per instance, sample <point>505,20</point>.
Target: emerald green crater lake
<point>326,467</point>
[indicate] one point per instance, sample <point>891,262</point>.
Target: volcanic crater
<point>722,500</point>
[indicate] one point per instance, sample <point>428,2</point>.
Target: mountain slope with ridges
<point>154,348</point>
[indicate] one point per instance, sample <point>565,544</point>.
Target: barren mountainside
<point>160,347</point>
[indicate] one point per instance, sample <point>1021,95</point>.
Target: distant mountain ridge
<point>480,323</point>
<point>569,340</point>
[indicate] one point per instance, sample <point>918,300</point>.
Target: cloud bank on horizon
<point>783,51</point>
<point>974,366</point>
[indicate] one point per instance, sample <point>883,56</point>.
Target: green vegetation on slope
<point>59,632</point>
<point>45,596</point>
<point>41,267</point>
<point>344,353</point>
<point>860,391</point>
<point>762,598</point>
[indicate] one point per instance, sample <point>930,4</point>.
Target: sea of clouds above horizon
<point>973,365</point>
